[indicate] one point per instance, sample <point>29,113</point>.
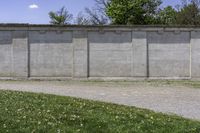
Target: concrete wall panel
<point>110,54</point>
<point>195,54</point>
<point>5,53</point>
<point>20,54</point>
<point>139,59</point>
<point>51,54</point>
<point>80,57</point>
<point>169,54</point>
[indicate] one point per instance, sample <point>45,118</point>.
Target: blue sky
<point>36,11</point>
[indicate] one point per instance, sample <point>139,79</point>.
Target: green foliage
<point>189,14</point>
<point>95,17</point>
<point>60,17</point>
<point>167,16</point>
<point>145,12</point>
<point>27,112</point>
<point>133,11</point>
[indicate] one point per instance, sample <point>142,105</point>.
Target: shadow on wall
<point>169,37</point>
<point>110,37</point>
<point>50,37</point>
<point>5,37</point>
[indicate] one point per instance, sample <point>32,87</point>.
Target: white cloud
<point>33,6</point>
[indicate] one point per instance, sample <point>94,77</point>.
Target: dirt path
<point>179,100</point>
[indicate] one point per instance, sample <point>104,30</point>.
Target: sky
<point>36,11</point>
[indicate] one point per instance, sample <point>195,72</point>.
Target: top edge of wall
<point>26,26</point>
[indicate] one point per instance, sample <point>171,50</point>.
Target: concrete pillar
<point>195,54</point>
<point>80,54</point>
<point>19,54</point>
<point>140,61</point>
<point>5,53</point>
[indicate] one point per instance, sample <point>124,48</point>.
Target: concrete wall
<point>169,54</point>
<point>110,54</point>
<point>51,54</point>
<point>125,52</point>
<point>13,54</point>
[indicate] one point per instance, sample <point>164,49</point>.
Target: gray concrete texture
<point>46,51</point>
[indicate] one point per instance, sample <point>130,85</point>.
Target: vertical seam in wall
<point>73,64</point>
<point>12,55</point>
<point>88,55</point>
<point>147,47</point>
<point>132,57</point>
<point>28,55</point>
<point>190,54</point>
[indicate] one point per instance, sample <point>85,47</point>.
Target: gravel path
<point>177,100</point>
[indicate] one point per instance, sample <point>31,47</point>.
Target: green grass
<point>28,112</point>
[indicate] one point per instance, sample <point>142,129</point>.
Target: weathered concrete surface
<point>110,54</point>
<point>139,58</point>
<point>80,57</point>
<point>20,54</point>
<point>195,54</point>
<point>178,100</point>
<point>5,53</point>
<point>13,54</point>
<point>133,52</point>
<point>169,54</point>
<point>51,54</point>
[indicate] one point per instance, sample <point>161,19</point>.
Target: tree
<point>96,18</point>
<point>167,16</point>
<point>101,6</point>
<point>189,13</point>
<point>97,15</point>
<point>60,17</point>
<point>82,19</point>
<point>125,12</point>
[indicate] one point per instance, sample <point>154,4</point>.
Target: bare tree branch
<point>97,15</point>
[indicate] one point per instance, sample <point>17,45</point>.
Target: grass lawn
<point>29,113</point>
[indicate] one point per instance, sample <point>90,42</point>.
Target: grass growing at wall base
<point>28,112</point>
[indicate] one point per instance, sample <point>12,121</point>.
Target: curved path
<point>178,100</point>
